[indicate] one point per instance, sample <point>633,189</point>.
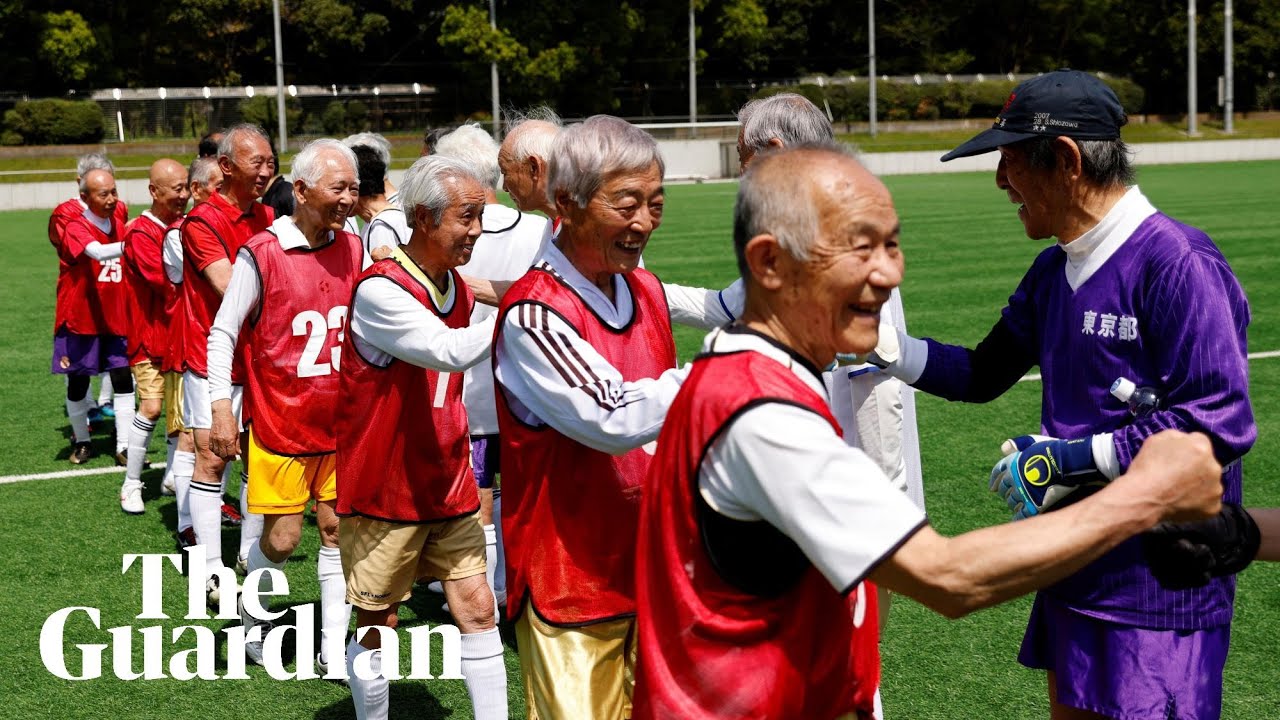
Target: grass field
<point>965,253</point>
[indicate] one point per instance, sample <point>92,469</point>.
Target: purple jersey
<point>1164,311</point>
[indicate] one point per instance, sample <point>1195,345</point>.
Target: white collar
<point>617,313</point>
<point>151,216</point>
<point>289,235</point>
<point>1091,250</point>
<point>103,224</point>
<point>737,339</point>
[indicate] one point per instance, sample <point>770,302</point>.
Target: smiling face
<point>100,193</point>
<point>249,168</point>
<point>326,204</point>
<point>449,244</point>
<point>517,180</point>
<point>1041,199</point>
<point>610,233</point>
<point>169,190</point>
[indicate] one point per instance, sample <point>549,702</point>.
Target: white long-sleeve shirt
<point>536,385</point>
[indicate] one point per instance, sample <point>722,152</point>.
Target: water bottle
<point>1141,400</point>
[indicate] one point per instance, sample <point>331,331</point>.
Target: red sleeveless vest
<point>292,346</point>
<point>707,648</point>
<point>143,257</point>
<point>404,454</point>
<point>570,512</point>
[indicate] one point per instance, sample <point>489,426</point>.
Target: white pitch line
<point>1035,377</point>
<point>69,473</point>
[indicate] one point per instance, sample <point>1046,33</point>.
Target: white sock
<point>252,523</point>
<point>170,447</point>
<point>205,502</point>
<point>184,464</point>
<point>490,554</point>
<point>78,415</point>
<point>485,674</point>
<point>500,567</point>
<point>124,405</point>
<point>372,698</point>
<point>259,560</point>
<point>105,391</point>
<point>335,613</point>
<point>139,440</point>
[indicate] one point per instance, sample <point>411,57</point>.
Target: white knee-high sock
<point>252,523</point>
<point>78,416</point>
<point>490,554</point>
<point>257,561</point>
<point>184,464</point>
<point>372,698</point>
<point>485,674</point>
<point>205,501</point>
<point>170,447</point>
<point>124,406</point>
<point>105,391</point>
<point>335,613</point>
<point>500,567</point>
<point>139,439</point>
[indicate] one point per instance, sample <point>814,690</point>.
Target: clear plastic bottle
<point>1141,400</point>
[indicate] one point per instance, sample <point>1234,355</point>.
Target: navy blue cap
<point>1064,102</point>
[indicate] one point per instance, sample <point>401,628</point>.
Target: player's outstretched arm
<point>1175,477</point>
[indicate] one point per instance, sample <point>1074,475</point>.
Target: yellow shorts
<point>282,484</point>
<point>580,672</point>
<point>173,403</point>
<point>148,383</point>
<point>381,560</point>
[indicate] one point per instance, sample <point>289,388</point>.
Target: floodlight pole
<point>871,60</point>
<point>1191,67</point>
<point>693,73</point>
<point>284,139</point>
<point>493,76</point>
<point>1228,94</point>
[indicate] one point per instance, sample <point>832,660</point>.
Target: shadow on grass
<point>409,701</point>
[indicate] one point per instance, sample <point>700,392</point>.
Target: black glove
<point>1188,555</point>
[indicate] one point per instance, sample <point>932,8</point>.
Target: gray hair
<point>373,140</point>
<point>83,182</point>
<point>94,161</point>
<point>473,146</point>
<point>201,170</point>
<point>1107,163</point>
<point>228,144</point>
<point>789,117</point>
<point>531,132</point>
<point>427,183</point>
<point>786,210</point>
<point>307,164</point>
<point>583,155</point>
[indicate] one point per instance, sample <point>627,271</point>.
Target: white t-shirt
<point>388,228</point>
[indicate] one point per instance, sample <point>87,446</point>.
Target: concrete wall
<point>714,159</point>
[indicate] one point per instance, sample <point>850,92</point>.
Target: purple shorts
<point>484,459</point>
<point>87,354</point>
<point>1126,672</point>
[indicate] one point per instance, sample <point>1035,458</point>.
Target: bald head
<point>523,161</point>
<point>169,189</point>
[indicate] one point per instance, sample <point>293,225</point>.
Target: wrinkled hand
<point>1039,473</point>
<point>224,436</point>
<point>1188,555</point>
<point>1179,471</point>
<point>382,252</point>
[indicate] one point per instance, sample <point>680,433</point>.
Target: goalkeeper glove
<point>1188,555</point>
<point>1038,473</point>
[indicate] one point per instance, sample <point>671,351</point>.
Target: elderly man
<point>204,178</point>
<point>1126,292</point>
<point>407,496</point>
<point>756,469</point>
<point>89,320</point>
<point>523,160</point>
<point>148,321</point>
<point>510,243</point>
<point>286,304</point>
<point>58,219</point>
<point>384,222</point>
<point>212,235</point>
<point>585,362</point>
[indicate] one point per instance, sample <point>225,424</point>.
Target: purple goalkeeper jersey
<point>1164,311</point>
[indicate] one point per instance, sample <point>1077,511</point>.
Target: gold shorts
<point>579,672</point>
<point>173,403</point>
<point>283,484</point>
<point>381,560</point>
<point>148,383</point>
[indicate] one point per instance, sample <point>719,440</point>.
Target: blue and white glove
<point>1039,473</point>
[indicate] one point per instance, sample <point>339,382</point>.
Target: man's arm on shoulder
<point>386,318</point>
<point>564,382</point>
<point>702,308</point>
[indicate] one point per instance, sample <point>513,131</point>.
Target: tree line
<point>584,56</point>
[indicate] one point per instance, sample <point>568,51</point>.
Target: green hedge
<point>931,101</point>
<point>52,122</point>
